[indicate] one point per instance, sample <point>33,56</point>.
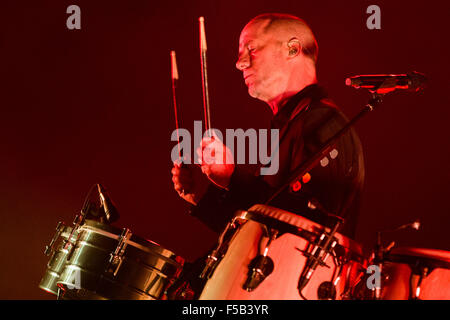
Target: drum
<point>284,239</point>
<point>58,258</point>
<point>104,262</point>
<point>414,273</point>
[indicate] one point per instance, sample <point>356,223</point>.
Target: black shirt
<point>305,122</point>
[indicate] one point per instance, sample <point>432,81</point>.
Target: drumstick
<point>174,85</point>
<point>203,49</point>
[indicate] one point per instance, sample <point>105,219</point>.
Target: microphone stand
<point>310,163</point>
<point>325,244</point>
<point>323,248</point>
<point>378,259</point>
<point>380,253</point>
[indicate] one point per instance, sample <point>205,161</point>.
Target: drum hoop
<point>279,225</point>
<point>310,236</point>
<point>155,248</point>
<point>413,260</point>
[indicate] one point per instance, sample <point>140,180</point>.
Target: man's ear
<point>294,47</point>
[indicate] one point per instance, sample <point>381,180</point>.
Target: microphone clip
<point>323,247</point>
<point>261,266</point>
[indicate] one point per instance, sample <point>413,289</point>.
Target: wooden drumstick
<point>203,49</point>
<point>175,78</point>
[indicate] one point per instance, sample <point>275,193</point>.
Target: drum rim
<point>136,241</point>
<point>259,209</point>
<point>409,255</point>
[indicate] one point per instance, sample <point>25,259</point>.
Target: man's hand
<point>185,184</point>
<point>216,161</point>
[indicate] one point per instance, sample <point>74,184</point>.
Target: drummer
<point>277,57</point>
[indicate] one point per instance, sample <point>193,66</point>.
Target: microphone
<point>384,83</point>
<point>108,207</point>
<point>413,225</point>
<point>258,270</point>
<point>323,247</point>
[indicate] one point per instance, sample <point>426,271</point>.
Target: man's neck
<point>280,101</point>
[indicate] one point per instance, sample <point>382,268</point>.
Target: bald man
<point>277,57</point>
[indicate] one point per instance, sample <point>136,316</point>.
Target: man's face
<point>262,61</point>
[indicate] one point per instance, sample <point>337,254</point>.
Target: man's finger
<point>206,170</point>
<point>199,152</point>
<point>205,142</point>
<point>175,171</point>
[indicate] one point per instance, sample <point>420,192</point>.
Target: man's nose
<point>243,62</point>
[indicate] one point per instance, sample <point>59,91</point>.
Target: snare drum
<point>287,254</point>
<point>414,273</point>
<point>104,262</point>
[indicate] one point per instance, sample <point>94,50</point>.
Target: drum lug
<point>217,254</point>
<point>49,248</point>
<point>261,266</point>
<point>116,258</point>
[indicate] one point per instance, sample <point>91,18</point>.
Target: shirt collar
<point>313,91</point>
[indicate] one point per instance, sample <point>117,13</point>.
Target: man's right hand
<point>185,184</point>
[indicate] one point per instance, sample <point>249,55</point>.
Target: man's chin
<point>252,92</point>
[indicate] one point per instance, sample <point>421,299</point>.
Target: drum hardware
<point>50,247</point>
<point>116,258</point>
<point>213,258</point>
<point>379,253</point>
<point>342,260</point>
<point>79,220</point>
<point>59,294</point>
<point>318,256</point>
<point>261,266</point>
<point>416,274</point>
<point>112,263</point>
<point>254,246</point>
<point>378,258</point>
<point>106,262</point>
<point>180,291</point>
<point>421,268</point>
<point>327,291</point>
<point>109,209</point>
<point>58,257</point>
<point>416,294</point>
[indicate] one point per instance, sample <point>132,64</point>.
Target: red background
<point>94,105</point>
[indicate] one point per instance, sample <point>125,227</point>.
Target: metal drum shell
<point>57,261</point>
<point>145,272</point>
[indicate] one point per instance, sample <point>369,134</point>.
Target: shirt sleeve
<point>218,206</point>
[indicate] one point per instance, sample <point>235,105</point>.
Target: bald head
<point>287,27</point>
<point>277,56</point>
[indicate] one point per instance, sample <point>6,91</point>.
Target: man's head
<point>277,55</point>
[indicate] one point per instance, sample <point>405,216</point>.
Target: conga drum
<point>416,273</point>
<point>287,254</point>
